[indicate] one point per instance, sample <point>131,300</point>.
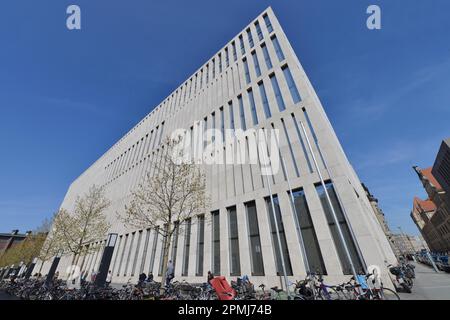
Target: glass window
<point>256,256</point>
<point>235,266</point>
<point>277,47</point>
<point>291,84</point>
<point>214,68</point>
<point>308,233</point>
<point>227,58</point>
<point>265,101</point>
<point>258,30</point>
<point>213,126</point>
<point>138,245</point>
<point>277,91</point>
<point>252,107</point>
<point>207,73</point>
<point>246,71</point>
<point>233,44</point>
<point>222,124</point>
<point>220,62</point>
<point>205,128</point>
<point>152,257</point>
<point>216,242</point>
<point>242,114</point>
<point>241,42</point>
<point>187,245</point>
<point>230,107</point>
<point>250,38</point>
<point>346,267</point>
<point>256,63</point>
<point>175,243</point>
<point>200,244</point>
<point>284,248</point>
<point>268,23</point>
<point>144,253</point>
<point>161,257</point>
<point>266,56</point>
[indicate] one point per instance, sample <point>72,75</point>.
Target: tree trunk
<point>165,261</point>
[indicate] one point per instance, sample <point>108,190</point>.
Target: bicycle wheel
<point>388,294</point>
<point>328,293</point>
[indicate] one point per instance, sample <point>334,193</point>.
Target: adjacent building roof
<point>427,173</point>
<point>424,205</point>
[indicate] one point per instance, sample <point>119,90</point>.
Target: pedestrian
<point>108,278</point>
<point>142,278</point>
<point>56,276</point>
<point>170,272</point>
<point>150,277</point>
<point>210,276</point>
<point>93,276</point>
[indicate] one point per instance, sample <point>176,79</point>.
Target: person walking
<point>108,278</point>
<point>170,272</point>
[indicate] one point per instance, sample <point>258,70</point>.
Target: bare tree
<point>172,192</point>
<point>87,223</point>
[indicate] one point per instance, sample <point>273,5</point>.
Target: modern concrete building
<point>254,81</point>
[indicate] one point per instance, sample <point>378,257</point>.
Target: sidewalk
<point>429,285</point>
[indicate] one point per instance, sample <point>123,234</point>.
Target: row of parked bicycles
<point>313,287</point>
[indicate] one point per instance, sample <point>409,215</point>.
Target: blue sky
<point>67,96</point>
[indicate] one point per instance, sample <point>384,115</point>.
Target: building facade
<point>432,219</point>
<point>255,81</point>
<point>8,240</point>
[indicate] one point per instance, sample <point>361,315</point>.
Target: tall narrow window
<point>250,38</point>
<point>153,255</point>
<point>161,133</point>
<point>213,126</point>
<point>277,91</point>
<point>200,244</point>
<point>230,108</point>
<point>187,246</point>
<point>220,62</point>
<point>256,256</point>
<point>346,267</point>
<point>207,74</point>
<point>258,30</point>
<point>233,44</point>
<point>300,138</point>
<point>246,71</point>
<point>214,68</point>
<point>277,47</point>
<point>227,58</point>
<point>241,42</point>
<point>290,148</point>
<point>266,56</point>
<point>265,101</point>
<point>308,233</point>
<point>222,124</point>
<point>144,253</point>
<point>241,113</point>
<point>216,242</point>
<point>138,246</point>
<point>256,63</point>
<point>175,243</point>
<point>252,107</point>
<point>123,254</point>
<point>275,243</point>
<point>291,84</point>
<point>268,23</point>
<point>161,257</point>
<point>205,128</point>
<point>235,265</point>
